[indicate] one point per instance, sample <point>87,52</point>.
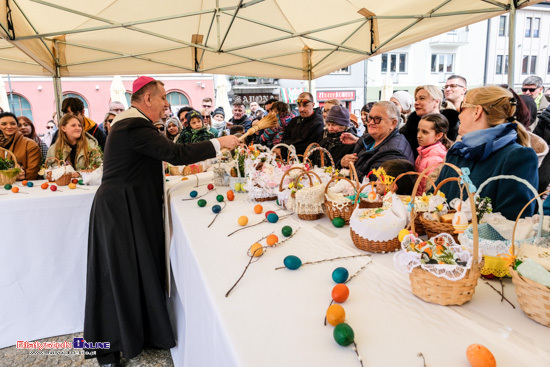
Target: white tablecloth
<point>43,249</point>
<point>275,318</point>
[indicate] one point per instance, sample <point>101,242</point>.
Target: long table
<point>275,317</point>
<point>43,247</point>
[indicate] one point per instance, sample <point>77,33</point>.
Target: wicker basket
<point>64,180</point>
<point>370,245</point>
<point>6,178</point>
<point>314,147</point>
<point>308,216</point>
<point>432,227</point>
<point>533,298</point>
<point>441,291</point>
<point>175,171</point>
<point>334,210</point>
<point>418,226</point>
<point>291,157</point>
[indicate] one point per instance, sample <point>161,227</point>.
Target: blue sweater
<point>507,196</point>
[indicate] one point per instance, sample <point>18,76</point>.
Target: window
<point>528,22</point>
<point>529,68</point>
<point>342,71</point>
<point>499,64</point>
<point>74,95</point>
<point>19,105</point>
<point>525,65</point>
<point>442,63</point>
<point>502,26</point>
<point>533,65</point>
<point>536,26</point>
<point>506,65</point>
<point>397,63</point>
<point>177,99</point>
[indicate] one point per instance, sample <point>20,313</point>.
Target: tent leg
<point>511,44</point>
<point>58,93</point>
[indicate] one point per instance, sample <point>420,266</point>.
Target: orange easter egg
<point>272,240</point>
<point>479,356</point>
<point>24,182</point>
<point>258,209</point>
<point>15,189</point>
<point>340,293</point>
<point>230,195</point>
<point>336,315</point>
<point>44,186</point>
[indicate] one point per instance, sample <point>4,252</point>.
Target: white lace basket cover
<point>381,226</point>
<point>263,183</point>
<point>60,171</point>
<point>92,177</point>
<point>309,200</point>
<point>337,192</point>
<point>405,261</point>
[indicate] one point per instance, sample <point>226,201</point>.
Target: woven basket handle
<point>360,190</point>
<point>336,178</point>
<point>55,159</point>
<point>353,174</point>
<point>291,152</point>
<point>393,187</point>
<point>10,153</point>
<point>308,174</point>
<point>321,150</point>
<point>309,147</point>
<point>541,217</point>
<point>520,180</point>
<point>475,231</point>
<point>286,174</point>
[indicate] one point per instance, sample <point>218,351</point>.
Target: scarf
<point>480,144</point>
<point>5,141</point>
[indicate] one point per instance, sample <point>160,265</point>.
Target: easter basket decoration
<point>61,175</point>
<point>415,215</point>
<point>9,169</point>
<point>434,227</point>
<point>337,202</point>
<point>450,279</point>
<point>314,147</point>
<point>263,177</point>
<point>309,201</point>
<point>533,296</point>
<point>285,191</point>
<point>493,246</point>
<point>377,229</point>
<point>175,171</point>
<point>291,157</point>
<point>91,173</point>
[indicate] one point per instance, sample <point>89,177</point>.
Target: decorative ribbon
<point>465,179</point>
<point>509,258</point>
<point>410,206</point>
<point>361,195</point>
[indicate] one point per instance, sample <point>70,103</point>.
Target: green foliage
<point>6,164</point>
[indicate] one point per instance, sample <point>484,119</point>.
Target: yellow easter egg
<point>335,315</point>
<point>243,220</point>
<point>256,250</point>
<point>402,234</point>
<point>238,186</point>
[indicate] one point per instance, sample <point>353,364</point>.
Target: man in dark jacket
<point>239,117</point>
<point>382,142</point>
<point>76,107</point>
<point>306,128</point>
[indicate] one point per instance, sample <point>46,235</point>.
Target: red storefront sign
<point>341,95</point>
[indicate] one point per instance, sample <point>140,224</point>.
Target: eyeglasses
<point>303,101</point>
<point>375,119</point>
<point>49,127</point>
<point>110,120</point>
<point>206,105</point>
<point>453,86</point>
<point>532,90</point>
<point>464,105</point>
<point>206,117</point>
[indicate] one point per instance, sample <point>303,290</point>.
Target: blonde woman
<point>427,99</point>
<point>74,145</point>
<point>493,143</point>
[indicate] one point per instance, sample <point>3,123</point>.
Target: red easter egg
<point>74,180</point>
<point>269,212</point>
<point>53,188</point>
<point>210,187</point>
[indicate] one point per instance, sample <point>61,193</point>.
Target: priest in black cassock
<point>125,286</point>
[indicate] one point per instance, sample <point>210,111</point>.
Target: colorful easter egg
<point>286,231</point>
<point>216,209</point>
<point>258,209</point>
<point>256,250</point>
<point>219,198</point>
<point>243,220</point>
<point>271,240</point>
<point>201,203</point>
<point>340,293</point>
<point>340,275</point>
<point>272,218</point>
<point>335,315</point>
<point>292,262</point>
<point>338,222</point>
<point>193,194</point>
<point>230,195</point>
<point>343,334</point>
<point>44,186</point>
<point>210,187</point>
<point>30,184</point>
<point>479,356</point>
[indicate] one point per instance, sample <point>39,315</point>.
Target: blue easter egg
<point>193,194</point>
<point>292,262</point>
<point>340,275</point>
<point>272,218</point>
<point>30,184</point>
<point>216,209</point>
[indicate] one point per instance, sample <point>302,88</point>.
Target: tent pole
<point>12,110</point>
<point>511,44</point>
<point>309,69</point>
<point>58,92</point>
<point>365,82</point>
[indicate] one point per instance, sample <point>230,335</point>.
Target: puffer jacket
<point>427,157</point>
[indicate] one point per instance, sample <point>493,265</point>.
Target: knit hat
<point>174,121</point>
<point>141,82</point>
<point>193,113</point>
<point>219,111</point>
<point>405,100</point>
<point>338,115</point>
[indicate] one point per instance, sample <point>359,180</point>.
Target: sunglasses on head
<point>528,89</point>
<point>304,101</point>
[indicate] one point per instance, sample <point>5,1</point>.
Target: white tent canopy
<point>291,39</point>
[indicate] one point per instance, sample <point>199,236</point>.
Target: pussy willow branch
<point>252,225</point>
<point>502,294</point>
<point>333,259</point>
<point>216,216</point>
<point>358,355</point>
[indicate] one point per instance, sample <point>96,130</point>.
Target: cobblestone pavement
<point>18,357</point>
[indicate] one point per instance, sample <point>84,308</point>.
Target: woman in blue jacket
<point>493,143</point>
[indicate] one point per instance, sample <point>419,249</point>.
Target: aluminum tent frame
<point>303,39</point>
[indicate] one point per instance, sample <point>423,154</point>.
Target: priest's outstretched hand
<point>229,142</point>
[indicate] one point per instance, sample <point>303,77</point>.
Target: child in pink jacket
<point>433,145</point>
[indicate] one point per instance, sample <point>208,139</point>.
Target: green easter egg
<point>338,222</point>
<point>201,202</point>
<point>219,198</point>
<point>343,334</point>
<point>7,186</point>
<point>287,231</point>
